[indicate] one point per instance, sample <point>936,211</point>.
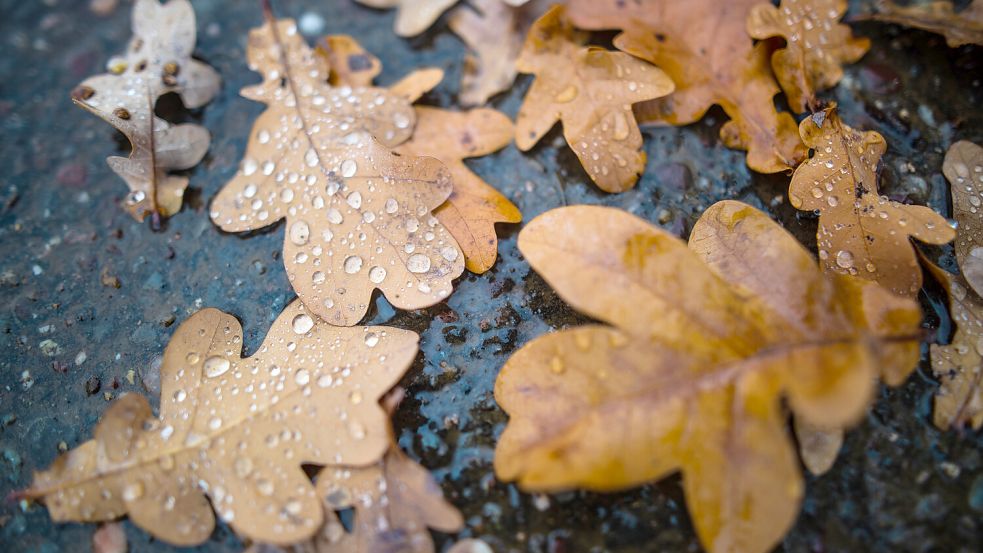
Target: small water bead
<point>301,257</point>
<point>817,192</point>
<point>621,127</point>
<point>264,487</point>
<point>392,206</point>
<point>833,201</point>
<point>449,253</point>
<point>371,339</point>
<point>268,168</point>
<point>334,216</point>
<point>302,324</point>
<point>356,429</point>
<point>354,199</point>
<point>353,264</point>
<point>348,168</point>
<point>133,491</point>
<point>418,263</point>
<point>192,358</point>
<point>310,158</point>
<point>263,137</point>
<point>844,259</point>
<point>215,423</point>
<point>412,225</point>
<point>249,167</point>
<point>377,274</point>
<point>401,121</point>
<point>216,365</point>
<point>300,233</point>
<point>286,195</point>
<point>318,277</point>
<point>243,466</point>
<point>368,217</point>
<point>180,396</point>
<point>303,377</point>
<point>249,191</point>
<point>324,381</point>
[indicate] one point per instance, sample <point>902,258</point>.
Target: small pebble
<point>92,385</point>
<point>311,24</point>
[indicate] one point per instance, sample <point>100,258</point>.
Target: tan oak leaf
<point>413,16</point>
<point>235,430</point>
<point>358,216</point>
<point>940,17</point>
<point>158,61</point>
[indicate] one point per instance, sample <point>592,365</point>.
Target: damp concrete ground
<point>69,336</point>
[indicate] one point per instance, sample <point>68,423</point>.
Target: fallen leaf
<point>816,46</point>
<point>473,208</point>
<point>860,232</point>
<point>414,16</point>
<point>495,31</point>
<point>706,344</point>
<point>358,216</point>
<point>704,48</point>
<point>235,430</point>
<point>591,91</point>
<point>959,364</point>
<point>109,538</point>
<point>158,61</point>
<point>964,27</point>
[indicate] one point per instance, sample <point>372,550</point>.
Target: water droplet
<point>401,121</point>
<point>263,136</point>
<point>324,380</point>
<point>334,216</point>
<point>243,466</point>
<point>356,429</point>
<point>133,491</point>
<point>621,128</point>
<point>264,487</point>
<point>300,233</point>
<point>355,397</point>
<point>377,274</point>
<point>303,377</point>
<point>249,167</point>
<point>353,264</point>
<point>310,158</point>
<point>303,323</point>
<point>844,259</point>
<point>215,423</point>
<point>418,263</point>
<point>392,206</point>
<point>348,168</point>
<point>216,365</point>
<point>449,253</point>
<point>354,199</point>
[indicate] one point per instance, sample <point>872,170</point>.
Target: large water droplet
<point>348,168</point>
<point>844,259</point>
<point>418,263</point>
<point>303,323</point>
<point>377,274</point>
<point>353,264</point>
<point>300,233</point>
<point>216,365</point>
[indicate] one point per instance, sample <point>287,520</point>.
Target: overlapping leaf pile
<point>703,344</point>
<point>157,62</point>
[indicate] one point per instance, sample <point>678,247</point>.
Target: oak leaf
<point>959,365</point>
<point>495,31</point>
<point>413,16</point>
<point>235,430</point>
<point>158,61</point>
<point>590,90</point>
<point>358,216</point>
<point>816,46</point>
<point>704,48</point>
<point>860,232</point>
<point>473,208</point>
<point>700,347</point>
<point>940,17</point>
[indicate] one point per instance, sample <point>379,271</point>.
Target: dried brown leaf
<point>157,61</point>
<point>816,45</point>
<point>963,27</point>
<point>860,232</point>
<point>704,48</point>
<point>414,16</point>
<point>495,31</point>
<point>235,430</point>
<point>705,344</point>
<point>349,63</point>
<point>473,208</point>
<point>959,365</point>
<point>358,216</point>
<point>591,92</point>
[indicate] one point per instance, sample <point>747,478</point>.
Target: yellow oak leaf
<point>816,46</point>
<point>860,232</point>
<point>698,351</point>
